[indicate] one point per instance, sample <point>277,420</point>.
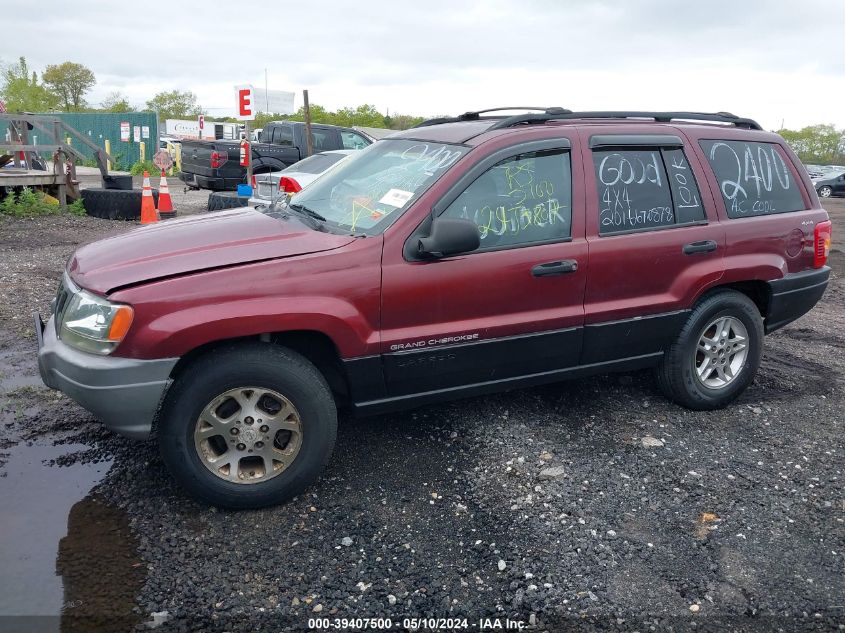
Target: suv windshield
<point>369,190</point>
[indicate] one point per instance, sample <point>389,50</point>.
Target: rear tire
<point>692,368</point>
<point>265,368</point>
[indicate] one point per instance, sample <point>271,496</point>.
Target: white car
<point>277,185</point>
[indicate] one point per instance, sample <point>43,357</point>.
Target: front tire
<point>247,426</point>
<point>717,353</point>
<point>825,192</point>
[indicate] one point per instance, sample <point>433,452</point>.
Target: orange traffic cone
<point>165,203</point>
<point>148,207</point>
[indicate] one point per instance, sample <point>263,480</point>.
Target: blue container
<point>244,191</point>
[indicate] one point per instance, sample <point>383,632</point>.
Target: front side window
<point>372,187</point>
<point>754,178</point>
<point>642,189</point>
<point>351,140</point>
<point>524,199</point>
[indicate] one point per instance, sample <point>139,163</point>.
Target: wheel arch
<point>317,347</point>
<point>758,291</point>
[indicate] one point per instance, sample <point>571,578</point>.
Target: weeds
<point>30,203</point>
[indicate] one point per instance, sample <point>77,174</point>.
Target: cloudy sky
<point>778,61</point>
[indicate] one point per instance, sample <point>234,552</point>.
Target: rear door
<point>654,241</point>
<point>514,307</point>
<point>325,138</point>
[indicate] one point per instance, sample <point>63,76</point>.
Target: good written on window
<point>754,178</point>
<point>645,189</point>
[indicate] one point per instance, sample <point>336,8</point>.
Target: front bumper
<point>123,393</point>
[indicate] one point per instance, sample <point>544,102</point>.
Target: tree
<point>402,121</point>
<point>23,93</point>
<point>365,115</point>
<point>70,81</point>
<point>116,102</point>
<point>176,104</point>
<point>815,143</point>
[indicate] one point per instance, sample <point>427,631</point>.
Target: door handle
<point>704,246</point>
<point>555,268</point>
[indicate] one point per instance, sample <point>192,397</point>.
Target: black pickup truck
<point>216,164</point>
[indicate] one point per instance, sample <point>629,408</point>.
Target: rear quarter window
<point>754,178</point>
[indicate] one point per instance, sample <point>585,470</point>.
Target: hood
<point>176,247</point>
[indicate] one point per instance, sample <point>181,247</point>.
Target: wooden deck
<point>14,177</point>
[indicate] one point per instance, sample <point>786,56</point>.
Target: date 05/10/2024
<point>416,624</point>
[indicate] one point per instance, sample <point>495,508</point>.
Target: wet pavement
<point>68,559</point>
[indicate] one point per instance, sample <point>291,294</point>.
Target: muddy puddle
<point>68,561</point>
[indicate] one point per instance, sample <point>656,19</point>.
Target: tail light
<point>218,159</point>
<point>289,185</point>
<point>821,243</point>
<point>254,185</point>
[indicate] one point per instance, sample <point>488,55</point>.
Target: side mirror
<point>450,237</point>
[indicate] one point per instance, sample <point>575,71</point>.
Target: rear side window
<point>754,178</point>
<point>521,200</point>
<point>642,189</point>
<point>316,164</point>
<point>282,135</point>
<point>323,140</point>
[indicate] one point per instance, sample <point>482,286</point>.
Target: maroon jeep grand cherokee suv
<point>464,256</point>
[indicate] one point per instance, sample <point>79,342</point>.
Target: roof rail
<point>660,117</point>
<point>476,115</point>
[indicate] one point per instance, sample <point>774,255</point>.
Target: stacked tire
<point>220,200</point>
<point>114,204</point>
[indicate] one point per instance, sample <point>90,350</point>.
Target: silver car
<point>281,184</point>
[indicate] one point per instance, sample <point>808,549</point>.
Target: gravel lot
<point>593,504</point>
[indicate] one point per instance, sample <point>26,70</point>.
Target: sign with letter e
<point>246,103</point>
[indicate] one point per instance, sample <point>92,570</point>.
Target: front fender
<point>177,333</point>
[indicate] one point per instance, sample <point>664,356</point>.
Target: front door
<point>513,307</point>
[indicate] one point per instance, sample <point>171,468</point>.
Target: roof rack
<point>476,115</point>
<point>660,117</point>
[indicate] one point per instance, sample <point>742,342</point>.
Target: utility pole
<point>309,139</point>
<point>249,154</point>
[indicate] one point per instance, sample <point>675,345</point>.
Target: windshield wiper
<point>309,212</point>
<point>316,221</point>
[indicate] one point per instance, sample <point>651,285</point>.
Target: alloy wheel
<point>248,435</point>
<point>721,352</point>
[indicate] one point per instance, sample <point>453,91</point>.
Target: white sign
<point>245,103</point>
<point>145,131</point>
<point>396,197</point>
<point>273,101</point>
<point>124,131</point>
<point>136,133</point>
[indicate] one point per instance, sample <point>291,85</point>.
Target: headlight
<point>93,324</point>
